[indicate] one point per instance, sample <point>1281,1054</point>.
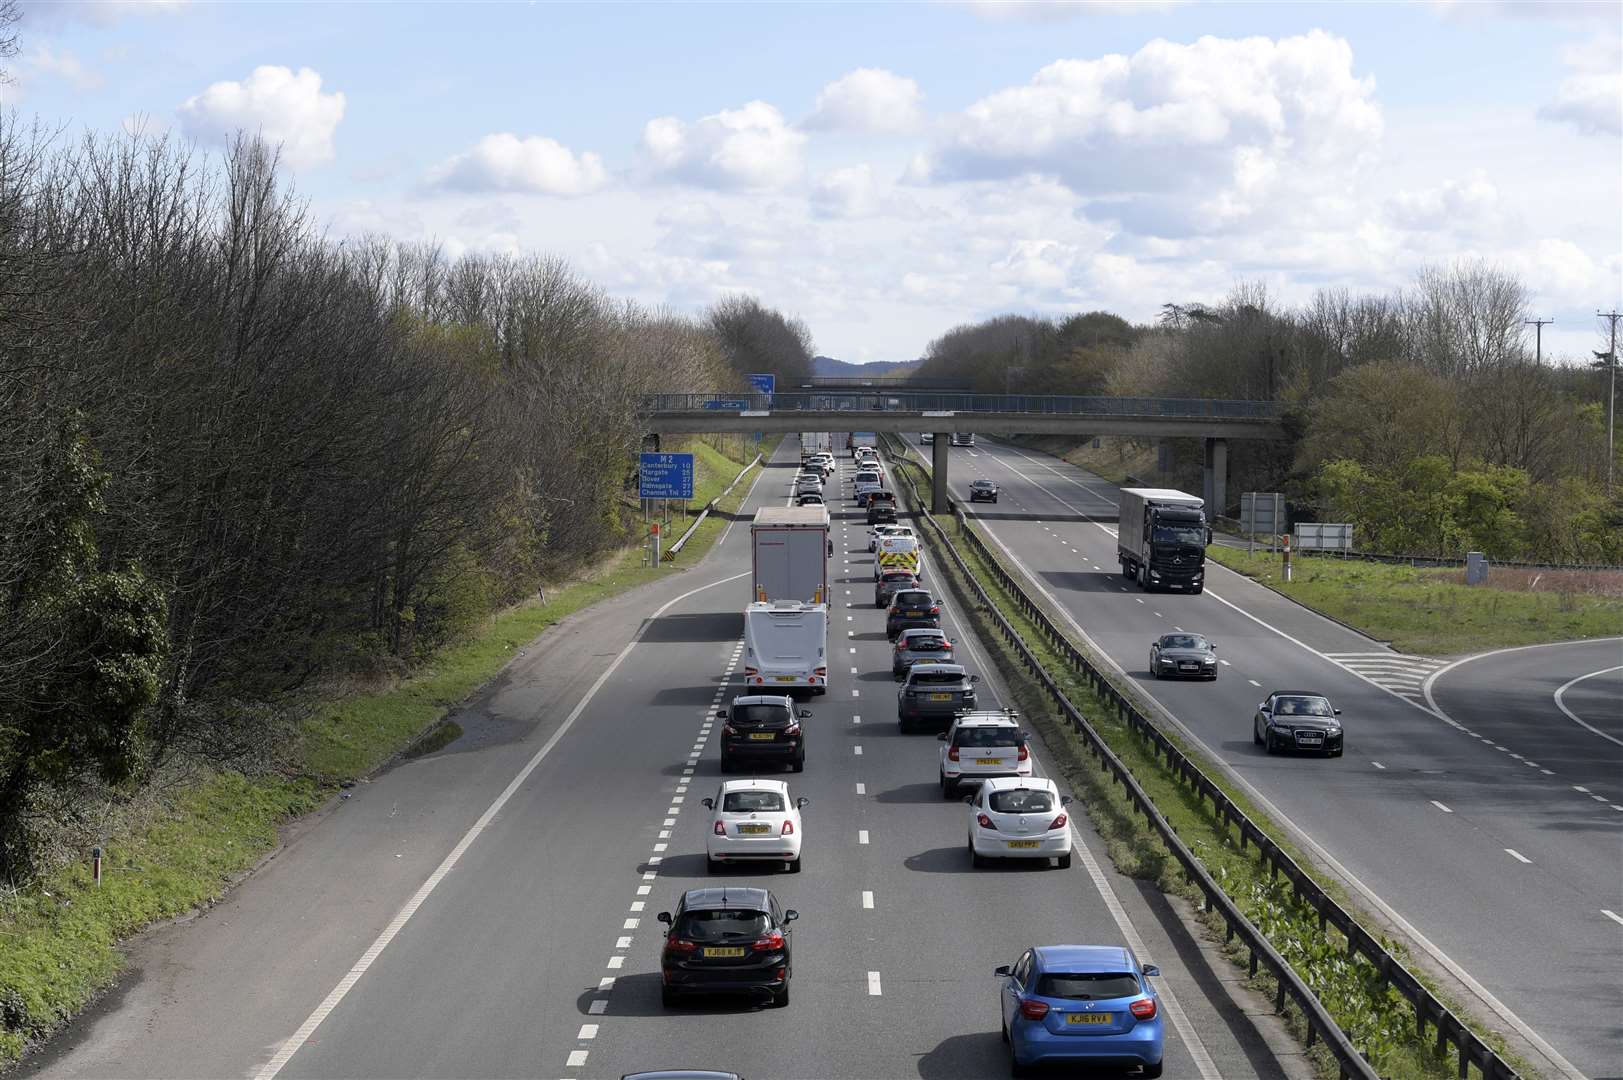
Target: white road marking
<point>616,962</point>
<point>637,905</point>
<point>856,693</point>
<point>1225,663</point>
<point>862,836</point>
<point>1580,787</point>
<point>1158,615</point>
<point>597,1008</point>
<point>291,1046</point>
<point>644,890</point>
<point>1441,807</point>
<point>587,1031</point>
<point>664,834</point>
<point>1139,599</point>
<point>631,924</point>
<point>873,984</point>
<point>661,847</point>
<point>857,750</point>
<point>1253,682</point>
<point>577,1058</point>
<point>853,653</point>
<point>853,670</point>
<point>669,822</point>
<point>862,789</point>
<point>1378,765</point>
<point>867,899</point>
<point>1518,856</point>
<point>1614,916</point>
<point>606,983</point>
<point>622,942</point>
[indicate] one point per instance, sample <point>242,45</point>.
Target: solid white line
<point>1574,716</point>
<point>862,836</point>
<point>1614,916</point>
<point>867,899</point>
<point>285,1053</point>
<point>1441,807</point>
<point>1518,856</point>
<point>1426,689</point>
<point>873,984</point>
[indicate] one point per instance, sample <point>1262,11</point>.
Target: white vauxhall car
<point>1019,817</point>
<point>753,821</point>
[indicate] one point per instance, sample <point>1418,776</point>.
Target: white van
<point>785,647</point>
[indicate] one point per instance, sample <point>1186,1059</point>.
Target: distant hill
<point>829,368</point>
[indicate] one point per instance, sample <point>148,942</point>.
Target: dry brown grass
<point>1571,582</point>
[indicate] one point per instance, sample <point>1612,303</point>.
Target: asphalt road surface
<point>488,910</point>
<point>1491,823</point>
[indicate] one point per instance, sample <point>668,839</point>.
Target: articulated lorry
<point>812,442</point>
<point>1161,539</point>
<point>791,550</point>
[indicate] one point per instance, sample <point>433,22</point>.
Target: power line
<point>1538,326</point>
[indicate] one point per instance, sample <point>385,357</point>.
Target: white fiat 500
<point>1019,817</point>
<point>753,821</point>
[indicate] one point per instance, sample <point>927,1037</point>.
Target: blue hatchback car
<point>1081,1004</point>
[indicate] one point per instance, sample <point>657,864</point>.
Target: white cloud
<point>869,101</point>
<point>847,193</point>
<point>282,107</point>
<point>505,162</point>
<point>1452,204</point>
<point>751,147</point>
<point>1591,97</point>
<point>43,61</point>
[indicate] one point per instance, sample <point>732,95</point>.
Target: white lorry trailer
<point>1161,538</point>
<point>791,550</point>
<point>785,647</point>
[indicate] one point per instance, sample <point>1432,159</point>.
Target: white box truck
<point>785,647</point>
<point>1161,538</point>
<point>791,550</point>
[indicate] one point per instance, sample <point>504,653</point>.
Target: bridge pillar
<point>1217,474</point>
<point>938,469</point>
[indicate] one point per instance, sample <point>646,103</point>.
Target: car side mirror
<point>1151,971</point>
<point>1208,538</point>
<point>805,714</point>
<point>802,802</point>
<point>709,804</point>
<point>1263,707</point>
<point>1336,711</point>
<point>791,915</point>
<point>1065,800</point>
<point>721,714</point>
<point>974,678</point>
<point>1003,970</point>
<point>969,800</point>
<point>1212,645</point>
<point>941,737</point>
<point>664,917</point>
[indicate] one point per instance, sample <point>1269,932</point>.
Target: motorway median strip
<point>60,937</point>
<point>1357,994</point>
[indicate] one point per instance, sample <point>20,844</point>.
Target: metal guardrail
<point>1033,404</point>
<point>1450,1029</point>
<point>676,548</point>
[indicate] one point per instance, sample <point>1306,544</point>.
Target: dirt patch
<point>1571,582</point>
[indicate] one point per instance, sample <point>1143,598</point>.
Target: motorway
<point>487,910</point>
<point>1488,822</point>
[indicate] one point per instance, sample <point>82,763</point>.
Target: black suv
<point>983,489</point>
<point>763,727</point>
<point>881,507</point>
<point>932,695</point>
<point>727,941</point>
<point>911,609</point>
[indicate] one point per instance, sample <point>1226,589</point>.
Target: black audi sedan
<point>728,940</point>
<point>1188,656</point>
<point>1298,720</point>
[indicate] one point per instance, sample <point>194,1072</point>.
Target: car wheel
<point>946,787</point>
<point>726,764</point>
<point>799,764</point>
<point>1337,752</point>
<point>780,998</point>
<point>1064,861</point>
<point>819,691</point>
<point>712,866</point>
<point>1153,1071</point>
<point>976,859</point>
<point>1255,738</point>
<point>1016,1066</point>
<point>668,997</point>
<point>1197,590</point>
<point>901,726</point>
<point>1143,578</point>
<point>1155,669</point>
<point>994,498</point>
<point>1005,1033</point>
<point>1268,742</point>
<point>794,867</point>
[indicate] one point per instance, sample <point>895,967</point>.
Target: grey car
<point>920,647</point>
<point>1183,656</point>
<point>933,694</point>
<point>890,582</point>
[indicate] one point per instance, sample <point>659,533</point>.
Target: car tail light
<point>769,942</point>
<point>751,671</point>
<point>728,729</point>
<point>792,729</point>
<point>983,821</point>
<point>1143,1009</point>
<point>1033,1010</point>
<point>680,945</point>
<point>952,753</point>
<point>788,829</point>
<point>1057,823</point>
<point>822,673</point>
<point>935,611</point>
<point>1025,753</point>
<point>720,829</point>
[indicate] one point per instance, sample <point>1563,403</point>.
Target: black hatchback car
<point>763,727</point>
<point>911,609</point>
<point>983,490</point>
<point>727,941</point>
<point>1298,720</point>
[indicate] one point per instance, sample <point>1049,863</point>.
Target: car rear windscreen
<point>913,599</point>
<point>1021,801</point>
<point>936,678</point>
<point>752,802</point>
<point>1089,986</point>
<point>894,576</point>
<point>756,715</point>
<point>723,924</point>
<point>987,736</point>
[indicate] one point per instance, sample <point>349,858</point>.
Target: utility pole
<point>1538,326</point>
<point>1609,360</point>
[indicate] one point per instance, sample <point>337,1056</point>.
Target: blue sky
<point>1024,157</point>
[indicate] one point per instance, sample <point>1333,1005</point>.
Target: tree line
<point>238,458</point>
<point>1422,416</point>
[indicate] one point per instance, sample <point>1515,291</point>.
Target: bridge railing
<point>1030,404</point>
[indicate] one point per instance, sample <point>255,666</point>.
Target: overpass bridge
<point>843,408</point>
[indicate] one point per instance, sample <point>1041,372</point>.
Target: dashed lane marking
<point>1518,856</point>
<point>1441,807</point>
<point>873,984</point>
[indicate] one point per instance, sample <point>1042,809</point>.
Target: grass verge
<point>1377,1019</point>
<point>59,938</point>
<point>1430,612</point>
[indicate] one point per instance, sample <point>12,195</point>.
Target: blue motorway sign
<point>666,476</point>
<point>764,382</point>
<point>729,404</point>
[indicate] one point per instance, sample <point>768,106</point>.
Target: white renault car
<point>982,745</point>
<point>753,821</point>
<point>1019,817</point>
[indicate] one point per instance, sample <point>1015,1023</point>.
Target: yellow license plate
<point>988,761</point>
<point>764,736</point>
<point>753,830</point>
<point>720,951</point>
<point>940,697</point>
<point>1087,1018</point>
<point>784,678</point>
<point>1022,843</point>
<point>910,613</point>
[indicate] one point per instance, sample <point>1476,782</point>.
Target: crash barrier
<point>1429,1011</point>
<point>671,552</point>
